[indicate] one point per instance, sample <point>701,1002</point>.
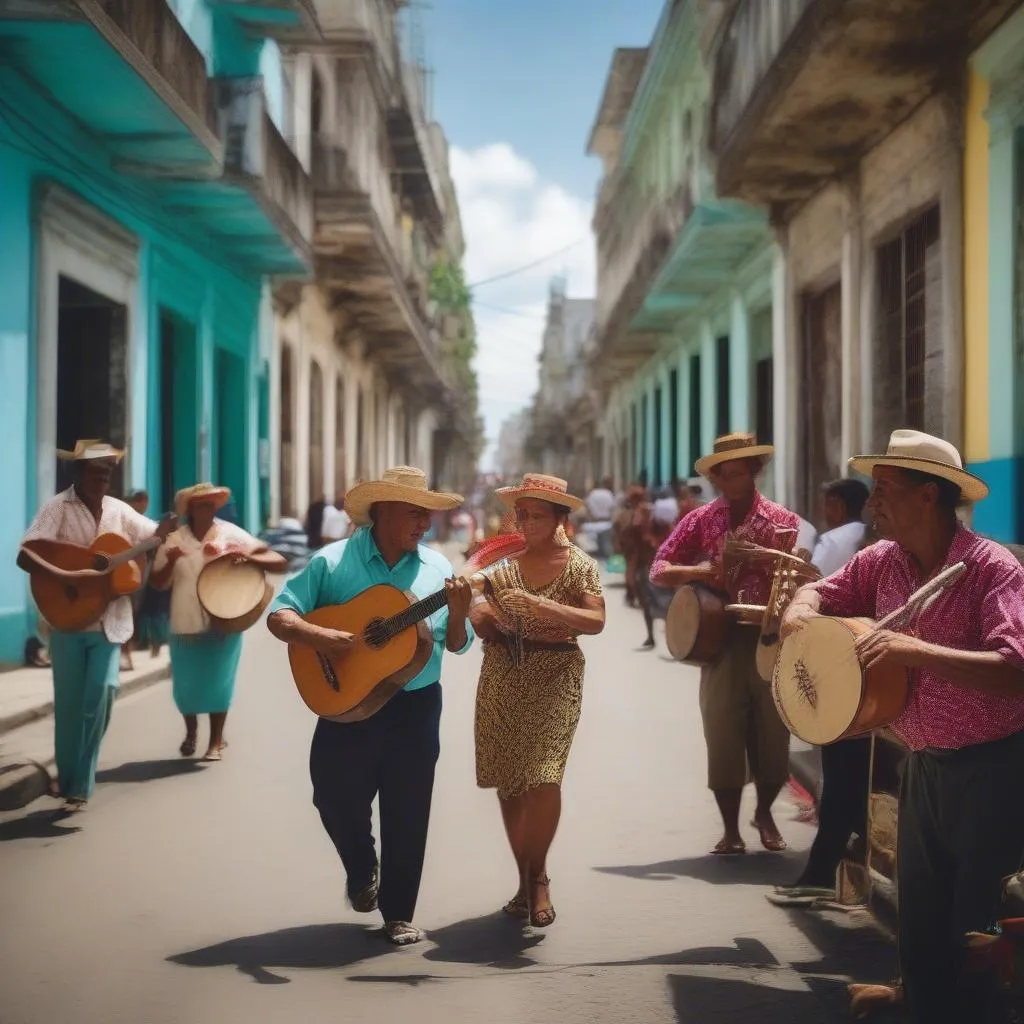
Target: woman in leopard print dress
<point>530,690</point>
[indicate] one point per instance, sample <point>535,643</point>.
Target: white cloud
<point>512,218</point>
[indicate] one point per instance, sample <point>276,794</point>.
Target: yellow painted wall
<point>976,362</point>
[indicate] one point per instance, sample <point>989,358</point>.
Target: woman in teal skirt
<point>204,663</point>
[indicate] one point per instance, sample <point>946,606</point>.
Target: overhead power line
<point>528,266</point>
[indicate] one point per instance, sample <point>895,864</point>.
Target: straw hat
<point>87,451</point>
<point>542,487</point>
<point>730,448</point>
<point>910,449</point>
<point>218,495</point>
<point>401,483</point>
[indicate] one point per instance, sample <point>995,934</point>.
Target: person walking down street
<point>741,723</point>
<point>846,765</point>
<point>627,539</point>
<point>531,682</point>
<point>600,509</point>
<point>652,525</point>
<point>204,663</point>
<point>86,662</point>
<point>393,753</point>
<point>961,820</point>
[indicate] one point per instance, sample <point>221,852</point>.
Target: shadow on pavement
<point>37,825</point>
<point>310,946</point>
<point>846,944</point>
<point>753,868</point>
<point>494,941</point>
<point>745,953</point>
<point>150,771</point>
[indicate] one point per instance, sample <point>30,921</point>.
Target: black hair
<point>138,496</point>
<point>852,493</point>
<point>950,495</point>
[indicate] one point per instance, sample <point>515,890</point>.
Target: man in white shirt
<point>600,504</point>
<point>844,506</point>
<point>336,524</point>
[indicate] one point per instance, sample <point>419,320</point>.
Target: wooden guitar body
<point>358,684</point>
<point>69,605</point>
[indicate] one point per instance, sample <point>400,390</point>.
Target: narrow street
<point>208,894</point>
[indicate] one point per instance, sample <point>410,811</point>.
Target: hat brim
<point>972,488</point>
<point>704,465</point>
<point>508,496</point>
<point>363,497</point>
<point>220,497</point>
<point>114,456</point>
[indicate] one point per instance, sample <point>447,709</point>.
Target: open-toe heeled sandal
<point>517,906</point>
<point>188,747</point>
<point>546,915</point>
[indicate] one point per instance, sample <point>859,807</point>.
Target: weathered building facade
<point>560,438</point>
<point>147,194</point>
<point>846,122</point>
<point>682,346</point>
<point>360,381</point>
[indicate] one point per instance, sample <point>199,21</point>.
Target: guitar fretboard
<point>414,613</point>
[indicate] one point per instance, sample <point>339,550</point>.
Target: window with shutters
<point>821,400</point>
<point>908,369</point>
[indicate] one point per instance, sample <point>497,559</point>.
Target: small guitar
<point>72,584</point>
<point>392,644</point>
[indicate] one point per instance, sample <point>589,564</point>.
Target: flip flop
<point>729,848</point>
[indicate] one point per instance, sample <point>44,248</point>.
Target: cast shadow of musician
<point>150,771</point>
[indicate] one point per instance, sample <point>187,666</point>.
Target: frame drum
<point>696,625</point>
<point>822,692</point>
<point>233,592</point>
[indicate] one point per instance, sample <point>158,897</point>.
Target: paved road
<point>193,894</point>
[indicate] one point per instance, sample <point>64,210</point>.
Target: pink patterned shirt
<point>700,537</point>
<point>981,611</point>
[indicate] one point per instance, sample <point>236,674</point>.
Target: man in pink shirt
<point>742,727</point>
<point>961,821</point>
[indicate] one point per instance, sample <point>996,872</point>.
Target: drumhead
<point>817,681</point>
<point>228,589</point>
<point>682,623</point>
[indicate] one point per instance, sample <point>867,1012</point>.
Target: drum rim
<point>222,566</point>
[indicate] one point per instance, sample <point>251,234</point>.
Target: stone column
<point>852,343</point>
<point>666,469</point>
<point>708,389</point>
<point>740,369</point>
<point>785,373</point>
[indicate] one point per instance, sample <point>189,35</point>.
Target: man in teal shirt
<point>392,753</point>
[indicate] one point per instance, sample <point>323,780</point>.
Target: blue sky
<point>516,87</point>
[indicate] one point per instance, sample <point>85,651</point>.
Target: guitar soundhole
<point>375,634</point>
<point>71,593</point>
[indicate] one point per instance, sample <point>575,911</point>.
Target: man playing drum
<point>741,724</point>
<point>961,820</point>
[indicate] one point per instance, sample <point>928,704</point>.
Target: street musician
<point>86,663</point>
<point>741,724</point>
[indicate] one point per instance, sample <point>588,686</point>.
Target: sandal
<point>216,753</point>
<point>365,901</point>
<point>517,907</point>
<point>773,843</point>
<point>188,747</point>
<point>402,933</point>
<point>73,806</point>
<point>729,848</point>
<point>544,917</point>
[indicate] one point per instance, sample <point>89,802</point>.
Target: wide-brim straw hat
<point>401,483</point>
<point>90,450</point>
<point>911,449</point>
<point>730,448</point>
<point>220,496</point>
<point>543,488</point>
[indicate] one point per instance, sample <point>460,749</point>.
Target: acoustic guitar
<point>392,643</point>
<point>72,585</point>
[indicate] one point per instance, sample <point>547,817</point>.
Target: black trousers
<point>391,755</point>
<point>961,831</point>
<point>842,809</point>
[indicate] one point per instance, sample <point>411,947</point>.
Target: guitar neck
<point>132,553</point>
<point>414,614</point>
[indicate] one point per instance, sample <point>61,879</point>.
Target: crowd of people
<point>961,830</point>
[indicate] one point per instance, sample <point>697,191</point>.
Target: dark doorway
<point>231,466</point>
<point>179,428</point>
<point>92,373</point>
<point>657,475</point>
<point>695,412</point>
<point>316,432</point>
<point>340,476</point>
<point>360,437</point>
<point>822,373</point>
<point>286,468</point>
<point>722,371</point>
<point>674,469</point>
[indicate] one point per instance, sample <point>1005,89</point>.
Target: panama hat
<point>910,449</point>
<point>730,448</point>
<point>87,451</point>
<point>542,487</point>
<point>401,483</point>
<point>218,495</point>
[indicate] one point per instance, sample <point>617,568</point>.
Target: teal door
<point>230,465</point>
<point>179,409</point>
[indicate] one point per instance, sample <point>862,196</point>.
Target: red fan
<point>494,550</point>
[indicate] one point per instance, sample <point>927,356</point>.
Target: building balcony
<point>375,270</point>
<point>288,21</point>
<point>803,88</point>
<point>124,69</point>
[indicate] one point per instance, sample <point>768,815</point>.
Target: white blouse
<point>187,615</point>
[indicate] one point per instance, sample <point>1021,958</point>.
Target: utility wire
<point>528,266</point>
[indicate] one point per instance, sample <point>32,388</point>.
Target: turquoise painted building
<point>147,198</point>
<point>684,334</point>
